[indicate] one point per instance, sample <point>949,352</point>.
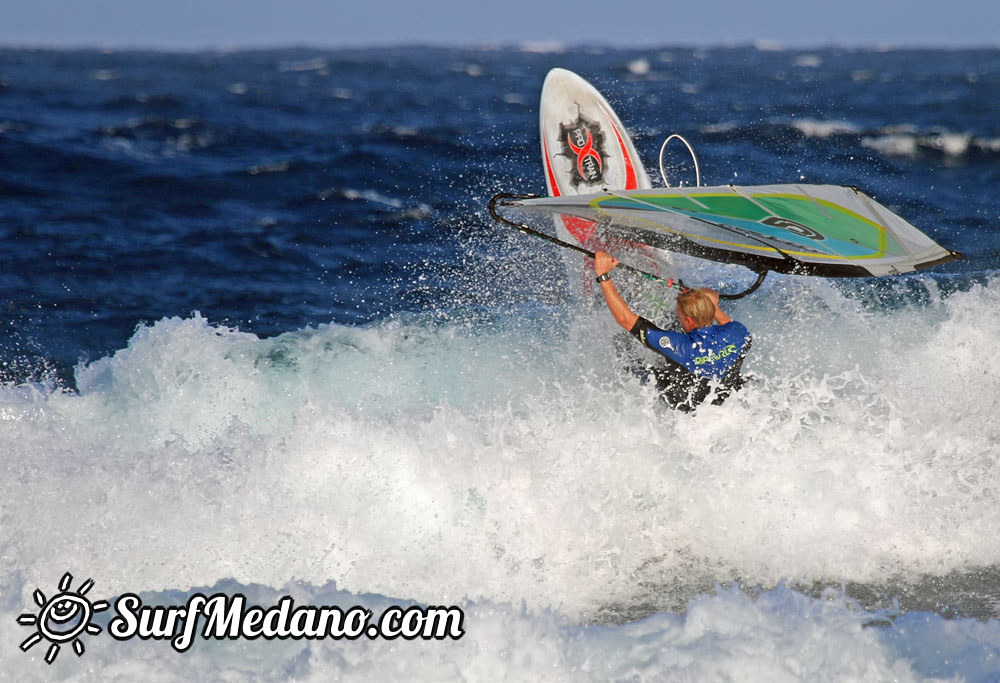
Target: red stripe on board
<point>631,182</point>
<point>580,228</point>
<point>548,169</point>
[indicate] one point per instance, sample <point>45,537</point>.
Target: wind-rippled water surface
<point>259,335</point>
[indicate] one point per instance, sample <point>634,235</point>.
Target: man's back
<point>709,351</point>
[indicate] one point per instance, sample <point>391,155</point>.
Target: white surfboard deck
<point>585,149</point>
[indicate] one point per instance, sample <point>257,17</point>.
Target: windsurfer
<point>705,359</point>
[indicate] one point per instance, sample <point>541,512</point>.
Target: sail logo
<point>583,142</point>
<point>792,227</point>
<point>63,618</point>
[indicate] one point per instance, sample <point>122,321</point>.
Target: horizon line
<point>553,46</point>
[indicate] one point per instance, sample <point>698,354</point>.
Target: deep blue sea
<point>258,334</point>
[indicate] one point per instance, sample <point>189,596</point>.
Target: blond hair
<point>697,306</point>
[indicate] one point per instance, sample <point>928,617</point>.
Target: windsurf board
<point>585,149</point>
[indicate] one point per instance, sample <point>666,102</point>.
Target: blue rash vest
<point>694,359</point>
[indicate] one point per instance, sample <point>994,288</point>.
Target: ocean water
<point>259,336</point>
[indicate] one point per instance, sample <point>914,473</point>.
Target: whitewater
<point>518,474</point>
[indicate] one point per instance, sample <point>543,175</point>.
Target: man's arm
<point>603,264</point>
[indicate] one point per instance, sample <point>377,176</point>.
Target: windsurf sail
<point>823,230</point>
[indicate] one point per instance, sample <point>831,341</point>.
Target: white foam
<point>952,144</point>
<point>780,635</point>
<point>639,67</point>
<point>892,145</point>
<point>809,61</point>
<point>473,70</point>
<point>542,47</point>
<point>860,451</point>
<point>512,462</point>
<point>908,141</point>
<point>812,128</point>
<point>988,144</point>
